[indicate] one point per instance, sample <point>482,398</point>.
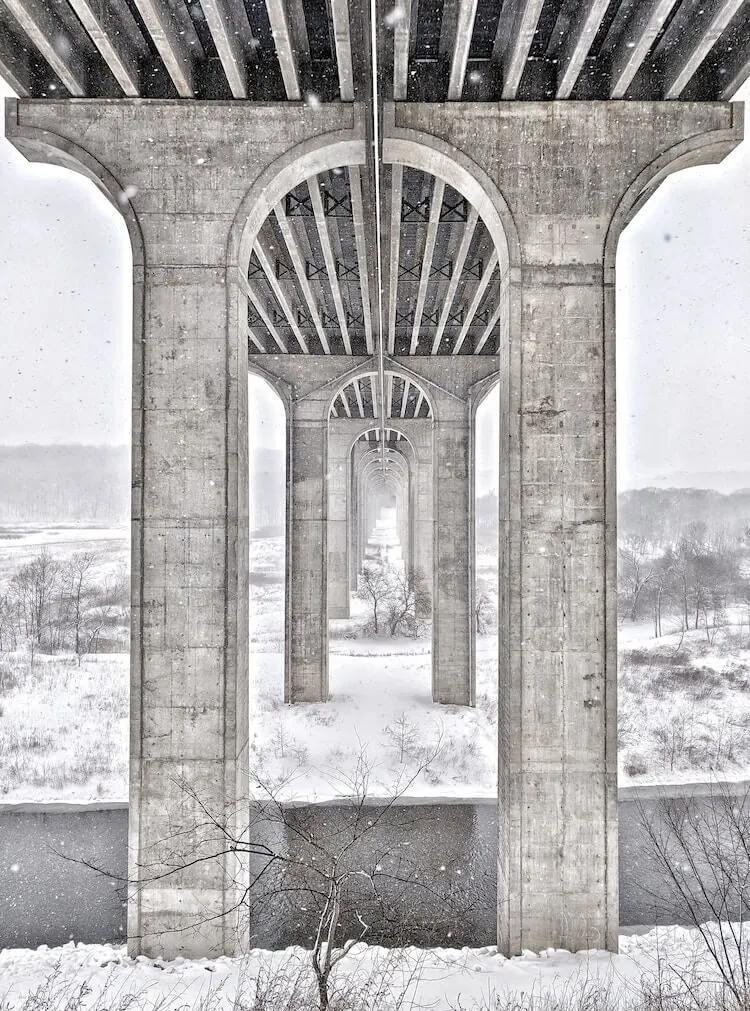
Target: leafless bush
<point>701,846</point>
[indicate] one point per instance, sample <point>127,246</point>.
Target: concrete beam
<point>277,16</point>
<point>173,44</point>
<point>47,34</point>
<point>401,33</point>
<point>397,182</point>
<point>343,40</point>
<point>405,398</point>
<point>636,41</point>
<point>260,308</point>
<point>429,251</point>
<point>736,76</point>
<point>325,242</point>
<point>280,295</point>
<point>358,213</point>
<point>467,13</point>
<point>228,44</point>
<point>517,51</point>
<point>682,63</point>
<point>458,266</point>
<point>360,402</point>
<point>581,35</point>
<point>255,339</point>
<point>104,32</point>
<point>487,273</point>
<point>298,263</point>
<point>15,65</point>
<point>493,321</point>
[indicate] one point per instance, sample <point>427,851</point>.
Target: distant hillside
<point>64,484</point>
<point>662,514</point>
<point>726,481</point>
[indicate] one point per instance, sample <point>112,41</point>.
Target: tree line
<point>691,583</point>
<point>50,605</point>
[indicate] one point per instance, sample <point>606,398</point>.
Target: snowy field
<point>684,704</point>
<point>662,969</point>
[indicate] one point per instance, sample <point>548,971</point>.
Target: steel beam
<point>48,35</point>
<point>325,243</point>
<point>581,34</point>
<point>635,43</point>
<point>282,38</point>
<point>681,64</point>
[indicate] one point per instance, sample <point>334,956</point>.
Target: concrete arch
<point>366,370</point>
<point>280,388</point>
<point>45,147</point>
<point>329,151</point>
<point>389,428</point>
<point>429,154</point>
<point>480,391</point>
<point>703,149</point>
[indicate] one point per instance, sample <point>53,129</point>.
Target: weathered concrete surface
<point>307,580</point>
<point>453,660</point>
<point>180,173</point>
<point>556,183</point>
<point>563,179</point>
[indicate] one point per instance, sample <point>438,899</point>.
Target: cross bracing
<point>310,275</point>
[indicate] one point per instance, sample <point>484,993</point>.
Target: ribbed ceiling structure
<point>310,288</point>
<point>428,50</point>
<point>403,398</point>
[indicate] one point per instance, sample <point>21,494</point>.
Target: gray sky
<point>683,318</point>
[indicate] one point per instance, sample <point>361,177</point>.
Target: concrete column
<point>189,727</point>
<point>560,180</point>
<point>339,505</point>
<point>453,675</point>
<point>180,172</point>
<point>306,677</point>
<point>423,497</point>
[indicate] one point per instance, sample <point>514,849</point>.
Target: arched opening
<point>381,437</point>
<point>682,362</point>
<point>267,467</point>
<point>65,455</point>
<point>380,515</point>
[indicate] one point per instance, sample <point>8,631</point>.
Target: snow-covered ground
<point>104,977</point>
<point>684,704</point>
<point>20,542</point>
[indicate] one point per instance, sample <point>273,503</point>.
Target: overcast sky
<point>683,318</point>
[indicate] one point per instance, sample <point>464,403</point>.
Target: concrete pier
<point>207,188</point>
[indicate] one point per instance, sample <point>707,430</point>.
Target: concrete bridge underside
<point>439,216</point>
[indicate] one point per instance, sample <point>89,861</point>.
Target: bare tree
<point>32,588</point>
<point>484,612</point>
<point>375,588</point>
<point>78,574</point>
<point>634,572</point>
<point>701,848</point>
<point>409,602</point>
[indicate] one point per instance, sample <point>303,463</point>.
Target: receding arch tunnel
<point>365,364</point>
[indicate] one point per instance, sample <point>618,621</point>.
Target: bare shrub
<point>701,846</point>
